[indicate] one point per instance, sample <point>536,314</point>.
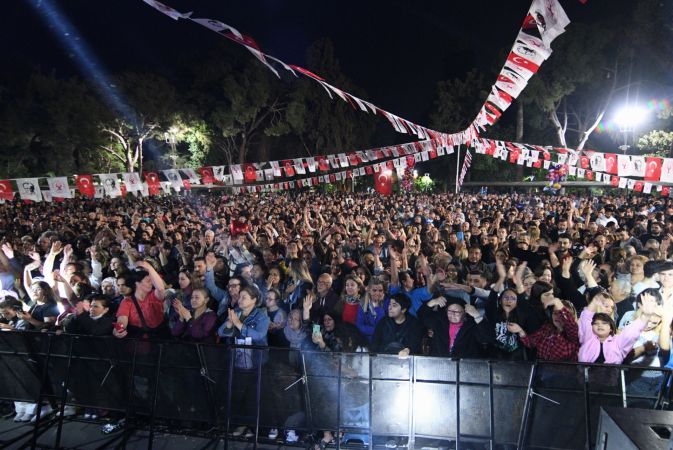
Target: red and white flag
<point>383,182</point>
<point>132,182</point>
<point>466,166</point>
<point>652,169</point>
<point>170,12</point>
<point>6,191</point>
<point>528,45</point>
<point>58,187</point>
<point>85,185</point>
<point>153,184</point>
<point>550,19</point>
<point>174,178</point>
<point>611,163</point>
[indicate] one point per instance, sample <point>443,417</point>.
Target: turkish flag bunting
<point>652,169</point>
<point>383,182</point>
<point>369,170</point>
<point>289,168</point>
<point>122,187</point>
<point>85,185</point>
<point>207,175</point>
<point>611,163</point>
<point>665,191</point>
<point>249,173</point>
<point>323,165</point>
<point>6,191</point>
<point>589,175</point>
<point>353,159</point>
<point>187,184</point>
<point>153,184</point>
<point>584,162</point>
<point>614,181</point>
<point>638,187</point>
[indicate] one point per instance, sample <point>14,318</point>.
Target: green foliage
<point>656,143</point>
<point>423,184</point>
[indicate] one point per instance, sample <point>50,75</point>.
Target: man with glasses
<point>325,298</point>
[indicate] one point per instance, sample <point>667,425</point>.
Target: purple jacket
<point>201,329</point>
<point>615,348</point>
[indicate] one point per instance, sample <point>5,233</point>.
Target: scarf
<point>294,337</point>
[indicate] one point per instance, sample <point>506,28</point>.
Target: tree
<point>49,126</point>
<point>456,105</point>
<point>575,86</point>
<point>240,100</point>
<point>323,124</point>
<point>657,143</point>
<point>150,106</point>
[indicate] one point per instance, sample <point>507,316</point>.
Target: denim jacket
<point>255,326</point>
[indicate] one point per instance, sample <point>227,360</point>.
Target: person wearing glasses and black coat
<point>458,329</point>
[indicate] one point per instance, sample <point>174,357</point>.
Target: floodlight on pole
<point>628,118</point>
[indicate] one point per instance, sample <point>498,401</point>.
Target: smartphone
<point>316,329</point>
<point>141,248</point>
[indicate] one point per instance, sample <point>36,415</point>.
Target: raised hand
<point>8,250</point>
<point>439,301</point>
<point>472,311</point>
<point>56,247</point>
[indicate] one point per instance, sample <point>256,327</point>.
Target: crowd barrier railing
<point>367,397</point>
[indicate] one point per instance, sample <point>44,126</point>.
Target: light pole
<point>171,139</point>
<point>628,119</point>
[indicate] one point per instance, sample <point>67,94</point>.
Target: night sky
<point>395,50</point>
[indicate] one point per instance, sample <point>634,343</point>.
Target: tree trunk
<point>519,136</point>
<point>560,129</point>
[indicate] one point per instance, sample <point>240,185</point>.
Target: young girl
<point>599,342</point>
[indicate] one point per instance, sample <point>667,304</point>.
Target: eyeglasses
<point>454,312</point>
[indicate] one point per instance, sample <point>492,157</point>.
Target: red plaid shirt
<point>553,345</point>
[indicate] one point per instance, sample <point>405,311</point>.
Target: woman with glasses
<point>459,330</point>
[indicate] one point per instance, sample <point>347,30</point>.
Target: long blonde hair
<point>366,299</point>
<point>299,270</point>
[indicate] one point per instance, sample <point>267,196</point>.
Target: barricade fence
<point>370,398</point>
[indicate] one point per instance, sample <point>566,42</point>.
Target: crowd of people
<point>512,277</point>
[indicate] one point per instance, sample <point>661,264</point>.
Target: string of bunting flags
<point>275,65</point>
<point>544,22</point>
<point>279,172</point>
<point>616,170</point>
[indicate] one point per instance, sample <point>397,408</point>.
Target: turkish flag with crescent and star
<point>6,191</point>
<point>85,185</point>
<point>250,173</point>
<point>383,182</point>
<point>153,184</point>
<point>207,175</point>
<point>652,169</point>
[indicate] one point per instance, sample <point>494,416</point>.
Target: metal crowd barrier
<point>370,398</point>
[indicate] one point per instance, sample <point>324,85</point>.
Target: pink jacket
<point>615,348</point>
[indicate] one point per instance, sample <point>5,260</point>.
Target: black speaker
<point>631,428</point>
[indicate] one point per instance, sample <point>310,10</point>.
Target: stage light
<point>629,117</point>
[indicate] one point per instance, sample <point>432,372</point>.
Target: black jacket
<point>472,341</point>
<point>84,324</point>
<point>390,337</point>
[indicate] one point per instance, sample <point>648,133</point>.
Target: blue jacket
<point>255,326</point>
<point>366,320</point>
